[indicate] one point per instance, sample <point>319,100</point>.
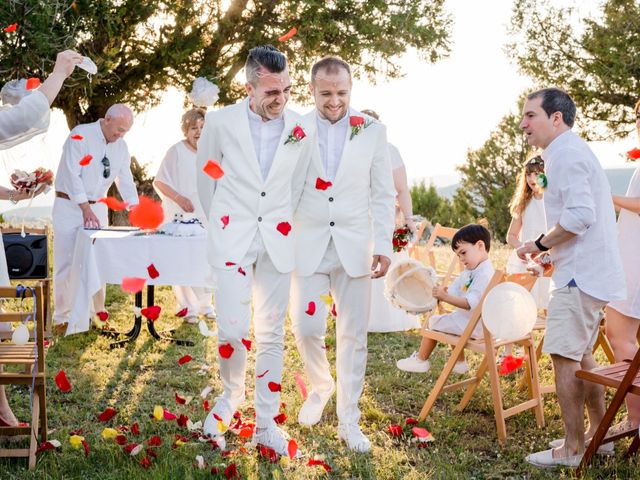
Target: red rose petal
<point>182,420</point>
<point>129,448</point>
<point>241,271</point>
<point>132,284</point>
<point>185,359</point>
<point>394,430</point>
<point>32,83</point>
<point>44,446</point>
<point>247,344</point>
<point>225,350</point>
<point>420,432</point>
<point>246,432</point>
<point>153,272</point>
<point>103,316</point>
<point>77,137</point>
<point>229,264</point>
<point>113,203</point>
<point>313,462</point>
<point>154,441</point>
<point>213,169</point>
<point>231,471</point>
<point>152,312</point>
<point>333,310</point>
<point>78,431</point>
<point>145,462</point>
<point>121,439</point>
<point>179,399</point>
<point>10,28</point>
<point>169,415</point>
<point>182,313</point>
<point>288,35</point>
<point>152,453</point>
<point>205,406</point>
<point>411,421</point>
<point>280,418</point>
<point>86,160</point>
<point>284,228</point>
<point>634,154</point>
<point>262,374</point>
<point>274,387</point>
<point>135,429</point>
<point>321,184</point>
<point>63,382</point>
<point>292,448</point>
<point>147,215</point>
<point>311,308</point>
<point>225,221</point>
<point>108,414</point>
<point>85,444</point>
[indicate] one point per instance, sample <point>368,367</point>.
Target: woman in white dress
<point>385,317</point>
<point>623,316</point>
<point>175,183</point>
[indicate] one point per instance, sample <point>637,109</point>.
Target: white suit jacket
<point>251,203</point>
<point>362,191</point>
<point>21,122</point>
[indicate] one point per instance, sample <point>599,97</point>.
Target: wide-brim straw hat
<point>409,286</point>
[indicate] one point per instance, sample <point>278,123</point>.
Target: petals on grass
<point>158,412</point>
<point>205,405</point>
<point>63,382</point>
<point>411,421</point>
<point>247,344</point>
<point>108,414</point>
<point>113,203</point>
<point>185,359</point>
<point>221,427</point>
<point>231,471</point>
<point>152,312</point>
<point>280,419</point>
<point>225,221</point>
<point>302,387</point>
<point>213,169</point>
<point>145,462</point>
<point>147,215</point>
<point>394,430</point>
<point>86,160</point>
<point>33,83</point>
<point>85,444</point>
<point>77,137</point>
<point>274,387</point>
<point>168,415</point>
<point>10,28</point>
<point>180,400</point>
<point>154,441</point>
<point>311,308</point>
<point>288,35</point>
<point>76,441</point>
<point>322,185</point>
<point>132,284</point>
<point>225,350</point>
<point>121,439</point>
<point>44,446</point>
<point>317,462</point>
<point>420,432</point>
<point>109,433</point>
<point>153,271</point>
<point>246,432</point>
<point>292,448</point>
<point>510,364</point>
<point>182,420</point>
<point>103,316</point>
<point>268,454</point>
<point>284,228</point>
<point>135,429</point>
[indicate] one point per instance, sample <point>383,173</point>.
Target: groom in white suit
<point>349,184</point>
<point>264,152</point>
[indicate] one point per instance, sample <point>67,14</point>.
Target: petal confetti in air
<point>77,137</point>
<point>147,215</point>
<point>187,358</point>
<point>280,418</point>
<point>229,264</point>
<point>311,308</point>
<point>284,228</point>
<point>113,203</point>
<point>132,284</point>
<point>33,83</point>
<point>288,35</point>
<point>292,448</point>
<point>213,169</point>
<point>151,312</point>
<point>225,221</point>
<point>274,387</point>
<point>247,344</point>
<point>633,154</point>
<point>302,387</point>
<point>182,313</point>
<point>63,382</point>
<point>158,412</point>
<point>327,299</point>
<point>225,350</point>
<point>246,432</point>
<point>241,271</point>
<point>321,184</point>
<point>153,272</point>
<point>108,414</point>
<point>86,160</point>
<point>10,28</point>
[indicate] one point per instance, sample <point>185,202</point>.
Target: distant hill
<point>40,214</point>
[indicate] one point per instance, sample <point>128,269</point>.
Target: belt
<point>66,197</point>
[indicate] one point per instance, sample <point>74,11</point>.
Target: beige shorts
<point>573,320</point>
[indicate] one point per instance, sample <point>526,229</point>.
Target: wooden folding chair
<point>624,377</point>
<point>31,356</point>
<point>487,346</point>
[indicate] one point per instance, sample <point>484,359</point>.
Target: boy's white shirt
<point>481,276</point>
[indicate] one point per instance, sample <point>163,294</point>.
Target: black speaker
<point>27,257</point>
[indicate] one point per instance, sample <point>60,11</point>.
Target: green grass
<point>144,374</point>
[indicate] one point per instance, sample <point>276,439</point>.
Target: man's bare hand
<point>379,266</point>
<point>89,218</point>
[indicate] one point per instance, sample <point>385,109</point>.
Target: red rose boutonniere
<point>296,135</point>
<point>357,125</point>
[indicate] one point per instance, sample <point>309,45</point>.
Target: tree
<point>452,213</point>
<point>489,174</point>
<point>141,48</point>
<point>600,67</point>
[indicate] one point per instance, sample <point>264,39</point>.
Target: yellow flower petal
<point>221,427</point>
<point>109,433</point>
<point>158,412</point>
<point>179,442</point>
<point>76,441</point>
<point>327,299</point>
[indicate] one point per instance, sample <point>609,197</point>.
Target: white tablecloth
<point>106,256</point>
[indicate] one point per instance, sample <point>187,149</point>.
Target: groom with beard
<point>338,249</point>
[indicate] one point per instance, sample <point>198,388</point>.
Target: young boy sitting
<point>471,244</point>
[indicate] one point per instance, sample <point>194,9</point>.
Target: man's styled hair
<point>329,65</point>
<point>371,113</point>
<point>190,118</point>
<point>264,56</point>
<point>556,100</point>
<point>472,234</point>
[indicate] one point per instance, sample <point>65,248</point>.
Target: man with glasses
<point>94,156</point>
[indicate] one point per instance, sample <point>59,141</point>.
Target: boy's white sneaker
<point>461,367</point>
<point>413,364</point>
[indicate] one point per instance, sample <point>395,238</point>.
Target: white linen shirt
<point>578,198</point>
<point>21,122</point>
<point>88,183</point>
<point>331,139</point>
<point>266,137</point>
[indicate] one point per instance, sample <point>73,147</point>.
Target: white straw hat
<point>409,286</point>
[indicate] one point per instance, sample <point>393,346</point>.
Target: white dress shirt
<point>578,198</point>
<point>88,182</point>
<point>331,138</point>
<point>28,118</point>
<point>266,137</point>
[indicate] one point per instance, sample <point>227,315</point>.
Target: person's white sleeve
<point>476,290</point>
<point>209,148</point>
<point>382,197</point>
<point>394,157</point>
<point>167,172</point>
<point>125,183</point>
<point>28,118</point>
<point>579,209</point>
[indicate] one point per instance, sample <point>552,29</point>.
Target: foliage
<point>489,174</point>
<point>456,212</point>
<point>599,67</point>
<point>141,48</point>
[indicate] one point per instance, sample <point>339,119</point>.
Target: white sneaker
<point>223,410</point>
<point>312,408</point>
<point>275,438</point>
<point>607,449</point>
<point>191,319</point>
<point>461,367</point>
<point>353,437</point>
<point>413,364</point>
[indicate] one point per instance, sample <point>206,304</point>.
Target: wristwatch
<point>540,246</point>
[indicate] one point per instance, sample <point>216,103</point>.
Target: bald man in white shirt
<point>79,187</point>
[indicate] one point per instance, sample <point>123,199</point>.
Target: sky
<point>434,114</point>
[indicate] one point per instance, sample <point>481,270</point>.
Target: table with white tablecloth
<point>109,255</point>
